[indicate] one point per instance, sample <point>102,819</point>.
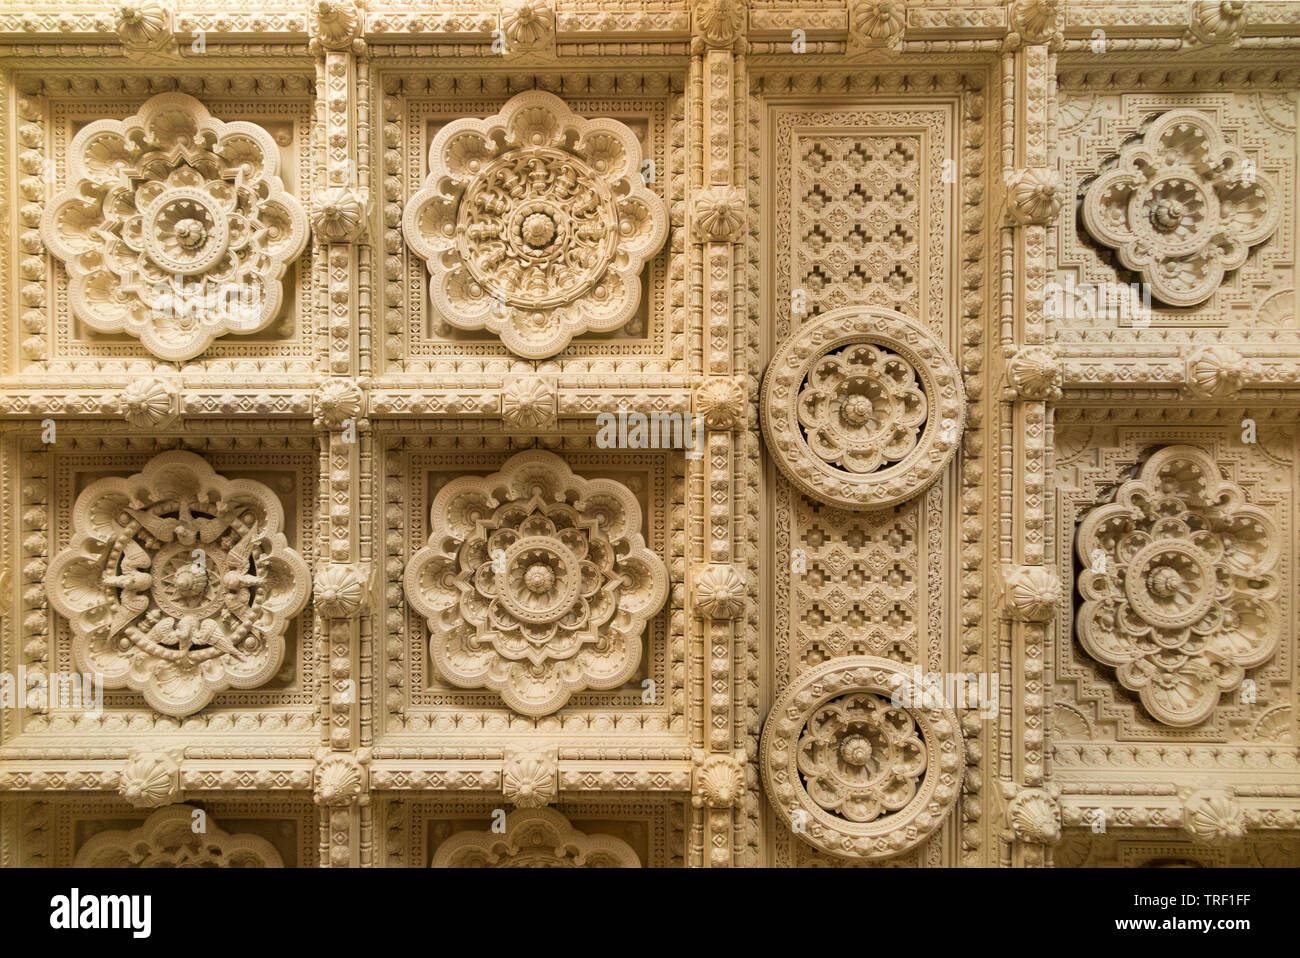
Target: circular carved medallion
<point>186,230</point>
<point>862,408</point>
<point>857,762</point>
<point>535,228</point>
<point>536,224</point>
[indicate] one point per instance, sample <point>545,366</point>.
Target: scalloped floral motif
<point>175,227</point>
<point>535,224</point>
<point>178,583</point>
<point>536,583</point>
<point>1181,206</point>
<point>1179,585</point>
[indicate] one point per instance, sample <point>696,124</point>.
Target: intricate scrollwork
<point>861,776</point>
<point>1178,585</point>
<point>178,583</point>
<point>167,839</point>
<point>535,224</point>
<point>1181,206</point>
<point>536,583</point>
<point>862,408</point>
<point>175,227</point>
<point>534,838</point>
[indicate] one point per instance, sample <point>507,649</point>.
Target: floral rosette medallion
<point>535,224</point>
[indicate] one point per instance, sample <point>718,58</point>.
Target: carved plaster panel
<point>852,773</point>
<point>632,308</point>
<point>98,832</point>
<point>920,166</point>
<point>534,838</point>
<point>174,227</point>
<point>1180,585</point>
<point>535,224</point>
<point>178,583</point>
<point>167,839</point>
<point>620,639</point>
<point>862,408</point>
<point>1156,848</point>
<point>858,231</point>
<point>536,583</point>
<point>163,651</point>
<point>1181,207</point>
<point>1185,192</point>
<point>239,290</point>
<point>1179,542</point>
<point>636,831</point>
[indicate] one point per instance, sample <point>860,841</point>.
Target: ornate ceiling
<point>649,433</point>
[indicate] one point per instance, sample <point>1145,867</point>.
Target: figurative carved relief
<point>178,583</point>
<point>833,240</point>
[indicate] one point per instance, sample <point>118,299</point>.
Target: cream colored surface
<point>882,252</point>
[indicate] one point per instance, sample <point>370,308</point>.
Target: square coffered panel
<point>667,434</point>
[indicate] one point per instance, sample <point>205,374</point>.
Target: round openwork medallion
<point>862,407</point>
<point>185,230</point>
<point>858,761</point>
